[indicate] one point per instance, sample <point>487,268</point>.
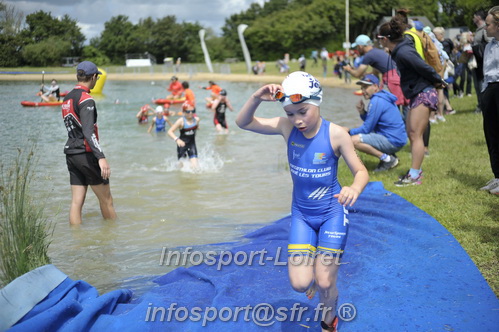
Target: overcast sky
<point>92,14</point>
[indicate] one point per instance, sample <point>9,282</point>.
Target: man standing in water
<point>86,162</point>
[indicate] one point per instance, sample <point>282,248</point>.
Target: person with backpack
<point>427,49</point>
<point>418,81</point>
<point>443,57</point>
<point>450,65</point>
<point>409,34</point>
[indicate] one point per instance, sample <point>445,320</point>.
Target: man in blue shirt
<point>383,131</point>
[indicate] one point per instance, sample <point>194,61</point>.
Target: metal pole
<point>347,28</point>
<point>247,57</point>
<point>205,50</point>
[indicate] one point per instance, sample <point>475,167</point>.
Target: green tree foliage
<point>229,30</point>
<point>218,48</point>
<point>469,7</point>
<point>93,54</point>
<point>44,40</point>
<point>48,52</point>
<point>188,44</point>
<point>10,55</point>
<point>41,26</point>
<point>117,39</point>
<point>10,20</point>
<point>274,28</point>
<point>269,37</point>
<point>72,33</point>
<point>365,16</point>
<point>161,38</point>
<point>10,40</point>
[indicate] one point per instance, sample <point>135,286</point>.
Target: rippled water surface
<point>243,183</point>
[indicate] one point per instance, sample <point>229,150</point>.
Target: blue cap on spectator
<point>418,25</point>
<point>369,79</point>
<point>88,67</point>
<point>362,40</point>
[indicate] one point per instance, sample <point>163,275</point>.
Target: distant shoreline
<point>264,79</point>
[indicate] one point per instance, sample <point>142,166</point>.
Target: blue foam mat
<point>402,271</point>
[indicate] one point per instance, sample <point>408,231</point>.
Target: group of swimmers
<point>188,123</point>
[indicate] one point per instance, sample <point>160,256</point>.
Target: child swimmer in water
<point>188,124</point>
<point>318,206</point>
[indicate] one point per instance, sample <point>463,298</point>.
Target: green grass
<point>25,234</point>
<point>458,164</point>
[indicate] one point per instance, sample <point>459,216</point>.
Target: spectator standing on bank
<point>418,81</point>
<point>490,97</point>
<point>480,39</point>
<point>381,62</point>
<point>324,58</point>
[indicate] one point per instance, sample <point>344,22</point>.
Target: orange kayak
<point>26,103</point>
<point>169,101</point>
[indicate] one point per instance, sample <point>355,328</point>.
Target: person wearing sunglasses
<point>319,224</point>
<point>87,164</point>
<point>418,80</point>
<point>188,124</point>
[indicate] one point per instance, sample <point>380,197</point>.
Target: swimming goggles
<point>189,111</point>
<point>295,98</point>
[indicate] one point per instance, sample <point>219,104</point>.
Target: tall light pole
<point>347,28</point>
<point>247,57</point>
<point>207,58</point>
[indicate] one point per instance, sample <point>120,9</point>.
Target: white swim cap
<point>159,109</point>
<point>304,84</point>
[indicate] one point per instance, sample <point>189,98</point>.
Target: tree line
<point>275,28</point>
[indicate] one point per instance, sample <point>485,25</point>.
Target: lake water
<point>243,183</point>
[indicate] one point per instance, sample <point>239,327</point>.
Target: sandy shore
<point>330,81</point>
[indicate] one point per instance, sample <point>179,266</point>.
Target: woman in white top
<point>490,96</point>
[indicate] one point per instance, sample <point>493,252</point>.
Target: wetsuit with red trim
<point>144,118</point>
<point>80,117</point>
<point>220,114</point>
<point>188,135</point>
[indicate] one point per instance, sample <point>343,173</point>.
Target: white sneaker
<point>441,118</point>
<point>495,191</point>
<point>491,185</point>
